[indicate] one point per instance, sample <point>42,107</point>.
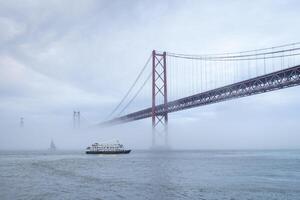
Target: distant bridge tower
<point>76,119</point>
<point>159,91</point>
<point>22,122</point>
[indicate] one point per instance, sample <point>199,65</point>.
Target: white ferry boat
<point>107,148</point>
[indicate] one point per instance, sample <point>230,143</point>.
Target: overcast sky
<point>57,56</point>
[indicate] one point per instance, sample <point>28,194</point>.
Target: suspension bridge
<point>171,82</point>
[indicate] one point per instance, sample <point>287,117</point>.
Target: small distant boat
<point>107,148</point>
<point>52,146</point>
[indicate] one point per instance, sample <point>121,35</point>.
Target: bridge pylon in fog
<point>159,93</point>
<point>22,122</point>
<point>76,119</point>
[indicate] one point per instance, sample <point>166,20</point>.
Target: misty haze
<point>149,99</point>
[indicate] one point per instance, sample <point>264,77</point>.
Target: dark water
<point>146,175</point>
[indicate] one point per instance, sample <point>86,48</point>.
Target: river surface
<point>151,175</point>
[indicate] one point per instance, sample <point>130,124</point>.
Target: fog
<point>61,56</point>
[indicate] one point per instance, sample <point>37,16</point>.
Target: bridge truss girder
<point>285,78</point>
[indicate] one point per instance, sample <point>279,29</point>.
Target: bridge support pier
<point>159,96</point>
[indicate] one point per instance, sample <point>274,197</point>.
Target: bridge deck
<point>274,81</point>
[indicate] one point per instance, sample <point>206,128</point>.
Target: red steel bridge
<point>182,81</point>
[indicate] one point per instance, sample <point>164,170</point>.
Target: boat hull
<point>108,152</point>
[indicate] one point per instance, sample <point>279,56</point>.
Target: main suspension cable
<point>136,94</point>
<point>130,89</point>
<point>232,53</point>
<point>236,59</point>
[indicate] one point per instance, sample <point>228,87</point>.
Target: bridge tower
<point>22,122</point>
<point>76,119</point>
<point>159,93</point>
